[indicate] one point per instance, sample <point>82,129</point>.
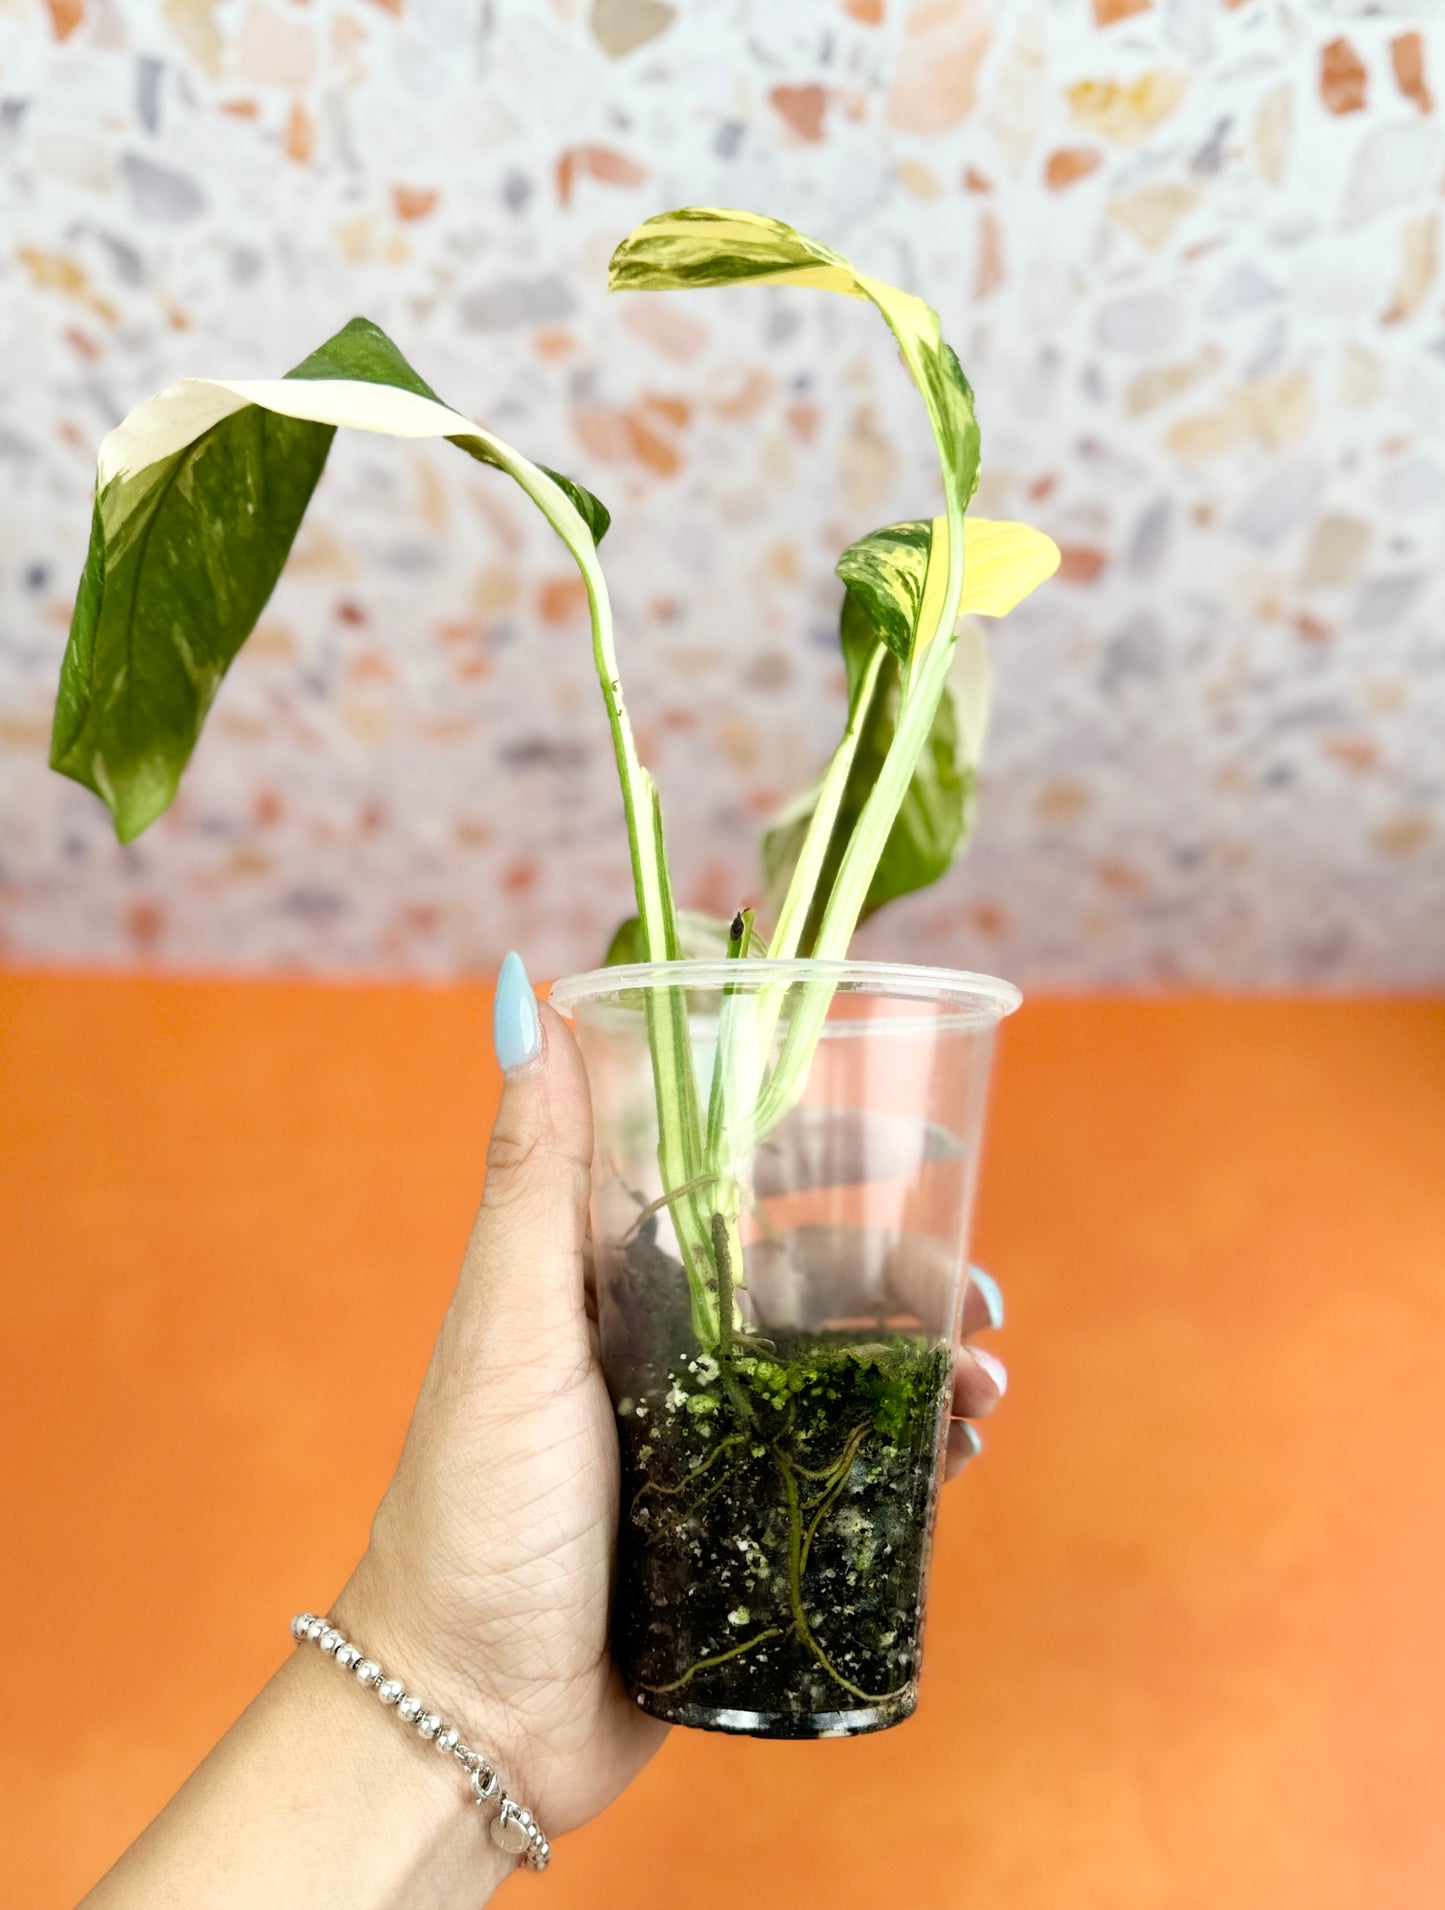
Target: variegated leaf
<point>708,245</point>
<point>199,495</point>
<point>887,569</point>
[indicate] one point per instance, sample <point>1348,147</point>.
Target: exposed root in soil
<point>719,1658</point>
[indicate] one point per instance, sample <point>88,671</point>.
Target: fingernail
<point>992,1294</point>
<point>971,1438</point>
<point>994,1367</point>
<point>516,1027</point>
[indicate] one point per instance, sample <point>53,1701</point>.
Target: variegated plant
<point>201,491</point>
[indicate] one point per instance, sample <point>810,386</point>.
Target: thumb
<point>525,1263</point>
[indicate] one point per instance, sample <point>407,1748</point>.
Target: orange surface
<point>1185,1644</point>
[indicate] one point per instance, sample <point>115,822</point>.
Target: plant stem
<point>728,1041</point>
<point>798,902</point>
<point>729,1085</point>
<point>922,687</point>
<point>723,1260</point>
<point>680,1140</point>
<point>679,1127</point>
<point>767,1005</point>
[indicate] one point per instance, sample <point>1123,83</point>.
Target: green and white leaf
<point>199,495</point>
<point>185,549</point>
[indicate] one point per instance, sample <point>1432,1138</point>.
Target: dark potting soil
<point>777,1507</point>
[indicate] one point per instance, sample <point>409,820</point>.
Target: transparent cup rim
<point>954,988</point>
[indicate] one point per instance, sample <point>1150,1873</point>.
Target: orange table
<point>1185,1646</point>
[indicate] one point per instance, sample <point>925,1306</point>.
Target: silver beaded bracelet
<point>511,1826</point>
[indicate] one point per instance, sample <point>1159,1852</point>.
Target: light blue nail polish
<point>971,1439</point>
<point>516,1027</point>
<point>993,1366</point>
<point>992,1294</point>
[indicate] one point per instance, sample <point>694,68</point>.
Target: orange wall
<point>1185,1642</point>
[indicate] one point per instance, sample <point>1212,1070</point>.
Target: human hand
<point>487,1582</point>
<point>488,1577</point>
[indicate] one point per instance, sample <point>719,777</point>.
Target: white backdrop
<point>1187,253</point>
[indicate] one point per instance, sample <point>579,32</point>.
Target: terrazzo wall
<point>1187,252</point>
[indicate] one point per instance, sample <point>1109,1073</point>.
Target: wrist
<point>396,1627</point>
<point>413,1799</point>
<point>313,1798</point>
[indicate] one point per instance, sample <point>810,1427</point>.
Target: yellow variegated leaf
<point>709,245</point>
<point>896,574</point>
<point>1002,563</point>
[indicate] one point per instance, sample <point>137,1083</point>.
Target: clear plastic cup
<point>777,1323</point>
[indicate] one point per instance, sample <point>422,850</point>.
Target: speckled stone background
<point>1187,251</point>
